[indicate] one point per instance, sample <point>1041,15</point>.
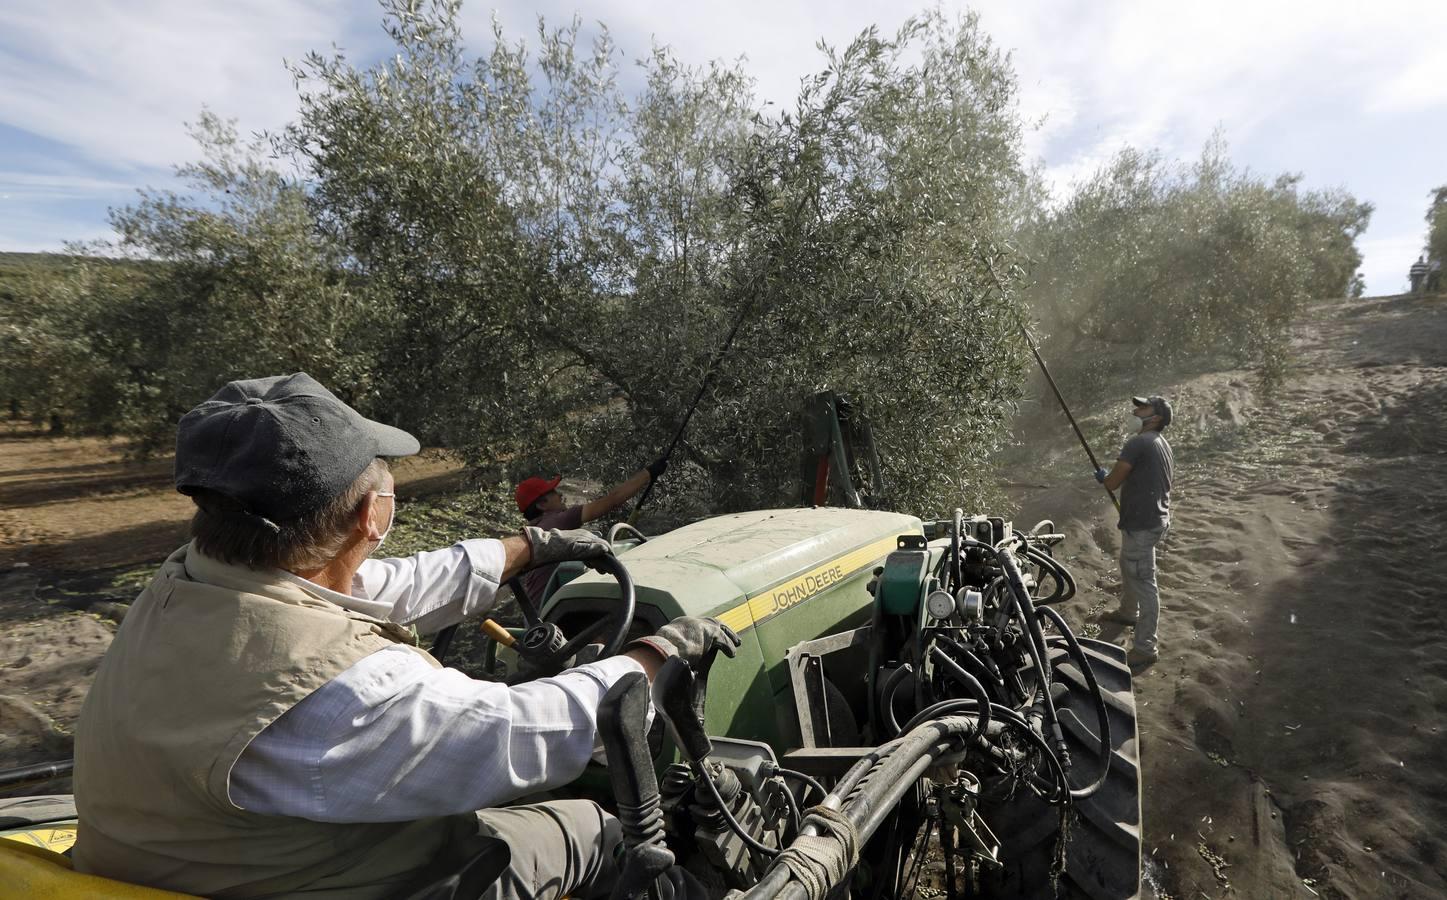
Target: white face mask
<point>1132,423</point>
<point>391,517</point>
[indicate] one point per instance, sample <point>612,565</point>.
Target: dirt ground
<point>1292,731</point>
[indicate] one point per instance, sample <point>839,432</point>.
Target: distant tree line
<point>517,257</point>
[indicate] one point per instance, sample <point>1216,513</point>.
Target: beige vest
<point>208,656</point>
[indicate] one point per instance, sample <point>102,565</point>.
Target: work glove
<point>657,467</point>
<point>553,545</point>
<point>1100,475</point>
<point>691,638</point>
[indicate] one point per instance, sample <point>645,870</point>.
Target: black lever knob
<point>675,692</point>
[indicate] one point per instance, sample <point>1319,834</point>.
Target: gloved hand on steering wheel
<point>554,545</point>
<point>691,638</point>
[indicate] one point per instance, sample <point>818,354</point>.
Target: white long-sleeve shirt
<point>392,739</point>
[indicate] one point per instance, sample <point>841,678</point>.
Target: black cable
<point>912,879</point>
<point>966,656</point>
<point>970,683</point>
<point>796,817</point>
<point>1064,582</point>
<point>891,684</point>
<point>809,781</point>
<point>1101,712</point>
<point>1033,631</point>
<point>963,706</point>
<point>733,824</point>
<point>891,774</point>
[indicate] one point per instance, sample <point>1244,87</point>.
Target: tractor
<point>906,699</point>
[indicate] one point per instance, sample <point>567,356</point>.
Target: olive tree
<point>562,261</point>
<point>1167,263</point>
<point>226,278</point>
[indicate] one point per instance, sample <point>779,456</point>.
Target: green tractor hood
<point>777,577</point>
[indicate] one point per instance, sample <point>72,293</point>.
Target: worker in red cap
<point>541,504</point>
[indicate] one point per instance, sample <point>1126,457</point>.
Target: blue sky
<point>95,94</point>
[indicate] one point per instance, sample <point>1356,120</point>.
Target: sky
<point>94,95</point>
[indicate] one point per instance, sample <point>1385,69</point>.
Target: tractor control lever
<point>623,726</point>
<point>679,695</point>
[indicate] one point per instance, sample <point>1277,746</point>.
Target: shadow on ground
<point>1344,719</point>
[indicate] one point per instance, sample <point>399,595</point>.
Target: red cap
<point>530,490</point>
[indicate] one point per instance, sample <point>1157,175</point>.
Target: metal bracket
<point>806,677</point>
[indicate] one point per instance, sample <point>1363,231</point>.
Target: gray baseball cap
<point>1160,404</point>
<point>281,447</point>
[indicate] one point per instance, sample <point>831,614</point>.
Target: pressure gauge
<point>971,605</point>
<point>940,604</point>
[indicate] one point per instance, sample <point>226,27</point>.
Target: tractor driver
<point>263,723</point>
<point>543,507</point>
<point>1143,473</point>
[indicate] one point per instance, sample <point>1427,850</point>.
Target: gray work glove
<point>691,638</point>
<point>554,545</point>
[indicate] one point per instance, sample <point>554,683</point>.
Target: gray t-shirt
<point>1145,498</point>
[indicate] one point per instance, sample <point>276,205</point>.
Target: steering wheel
<point>544,644</point>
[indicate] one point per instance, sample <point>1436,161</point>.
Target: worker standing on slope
<point>543,507</point>
<point>1417,275</point>
<point>1142,474</point>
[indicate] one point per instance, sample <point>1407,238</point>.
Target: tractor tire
<point>1103,850</point>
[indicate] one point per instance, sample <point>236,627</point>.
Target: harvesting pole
<point>702,388</point>
<point>1045,370</point>
<point>1065,408</point>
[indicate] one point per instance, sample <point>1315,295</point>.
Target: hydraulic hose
<point>1103,715</point>
<point>891,684</point>
<point>1064,581</point>
<point>1061,788</point>
<point>966,680</point>
<point>888,780</point>
<point>967,657</point>
<point>1037,641</point>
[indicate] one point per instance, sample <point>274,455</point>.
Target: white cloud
<point>1421,84</point>
<point>53,186</point>
<point>116,81</point>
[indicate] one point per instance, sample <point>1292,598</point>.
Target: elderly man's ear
<point>373,516</point>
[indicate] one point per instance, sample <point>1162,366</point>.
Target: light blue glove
<point>1100,475</point>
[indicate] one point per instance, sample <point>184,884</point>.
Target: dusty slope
<point>1293,730</point>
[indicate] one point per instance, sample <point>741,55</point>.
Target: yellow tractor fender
<point>29,870</point>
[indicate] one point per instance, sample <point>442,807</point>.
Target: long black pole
<point>1094,464</point>
<point>702,388</point>
<point>1060,398</point>
<point>39,772</point>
